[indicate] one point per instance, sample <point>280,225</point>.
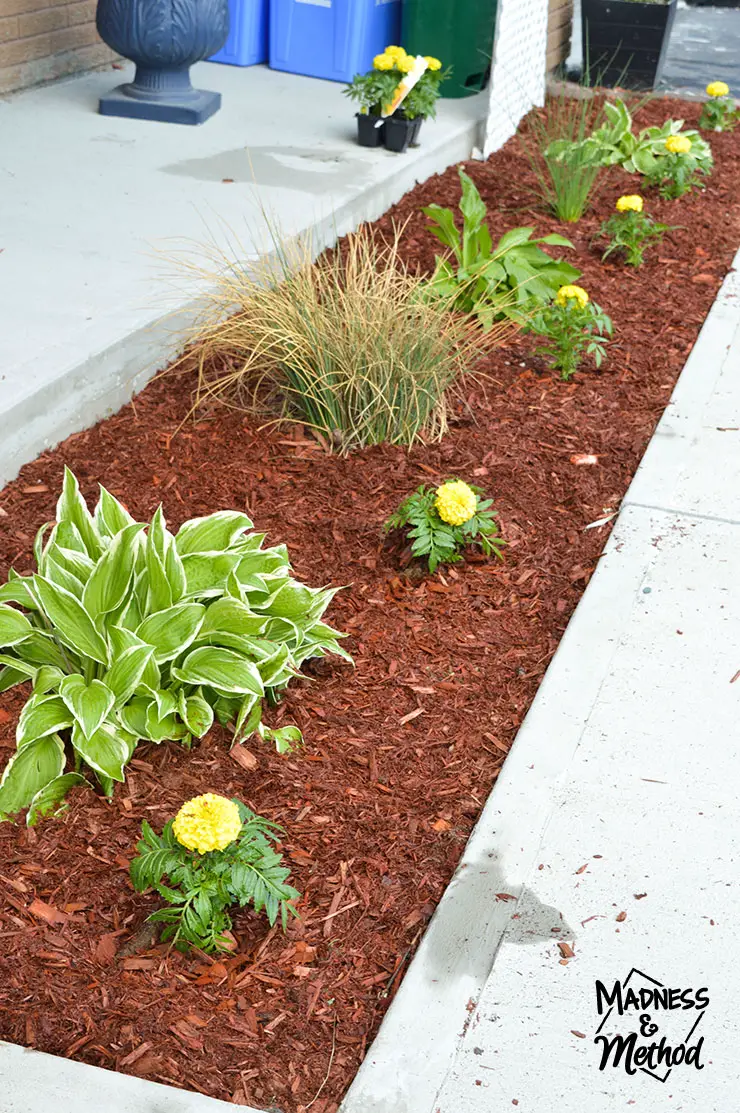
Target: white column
<point>517,70</point>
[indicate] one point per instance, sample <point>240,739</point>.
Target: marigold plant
<point>573,325</point>
<point>719,112</point>
<point>215,853</point>
<point>629,230</point>
<point>128,632</point>
<point>441,521</point>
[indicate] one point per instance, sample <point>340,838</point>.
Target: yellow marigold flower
<point>630,203</point>
<point>405,64</point>
<point>432,63</point>
<point>718,89</point>
<point>678,144</point>
<point>455,503</point>
<point>395,51</point>
<point>383,61</point>
<point>566,294</point>
<point>206,823</point>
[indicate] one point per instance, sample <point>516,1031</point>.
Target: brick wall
<point>559,25</point>
<point>44,39</point>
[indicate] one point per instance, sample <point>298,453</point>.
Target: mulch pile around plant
<point>401,752</point>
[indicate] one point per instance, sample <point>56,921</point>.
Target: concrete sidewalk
<point>610,842</point>
<point>94,208</point>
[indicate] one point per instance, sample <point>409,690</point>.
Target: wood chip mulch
<point>401,752</point>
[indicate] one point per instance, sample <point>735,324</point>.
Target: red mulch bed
<point>400,753</point>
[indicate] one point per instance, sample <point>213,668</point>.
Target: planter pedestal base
<point>199,108</point>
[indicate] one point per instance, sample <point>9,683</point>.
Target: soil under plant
<point>401,752</point>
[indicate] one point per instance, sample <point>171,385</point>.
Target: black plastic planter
<point>416,122</point>
<point>164,38</point>
<point>398,133</point>
<point>625,41</point>
<point>370,130</point>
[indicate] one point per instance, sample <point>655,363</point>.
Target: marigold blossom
<point>405,64</point>
<point>567,294</point>
<point>207,822</point>
<point>432,63</point>
<point>456,503</point>
<point>678,144</point>
<point>384,61</point>
<point>630,203</point>
<point>717,89</point>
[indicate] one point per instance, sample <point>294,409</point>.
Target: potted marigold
<point>624,41</point>
<point>376,91</point>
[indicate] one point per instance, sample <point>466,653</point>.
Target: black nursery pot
<point>624,41</point>
<point>399,132</point>
<point>370,130</point>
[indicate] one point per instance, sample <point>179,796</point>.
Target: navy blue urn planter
<point>164,38</point>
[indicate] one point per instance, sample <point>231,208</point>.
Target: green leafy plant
<point>679,168</point>
<point>370,91</point>
<point>347,344</point>
<point>201,887</point>
<point>505,281</point>
<point>630,231</point>
<point>127,632</point>
<point>720,112</point>
<point>615,144</point>
<point>425,517</point>
<point>374,91</point>
<point>573,326</point>
<point>553,142</point>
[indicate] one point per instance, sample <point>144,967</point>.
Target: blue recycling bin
<point>334,39</point>
<point>247,43</point>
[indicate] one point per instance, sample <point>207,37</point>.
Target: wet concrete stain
<point>304,169</point>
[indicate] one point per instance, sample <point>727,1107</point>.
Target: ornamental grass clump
<point>573,326</point>
<point>347,345</point>
<point>719,112</point>
<point>216,853</point>
<point>441,522</point>
<point>128,632</point>
<point>630,230</point>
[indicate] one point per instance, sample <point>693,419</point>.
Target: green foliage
<point>552,140</point>
<point>372,90</point>
<point>422,99</point>
<point>615,144</point>
<point>128,632</point>
<point>200,888</point>
<point>505,281</point>
<point>719,114</point>
<point>629,234</point>
<point>439,542</point>
<point>572,330</point>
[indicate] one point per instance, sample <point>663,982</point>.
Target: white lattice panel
<point>518,68</point>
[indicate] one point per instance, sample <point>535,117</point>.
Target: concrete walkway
<point>610,842</point>
<point>704,47</point>
<point>93,209</point>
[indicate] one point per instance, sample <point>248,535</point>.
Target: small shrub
<point>719,112</point>
<point>442,521</point>
<point>629,230</point>
<point>573,325</point>
<point>215,853</point>
<point>348,344</point>
<point>505,281</point>
<point>129,635</point>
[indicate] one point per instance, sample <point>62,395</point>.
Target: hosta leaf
<point>273,670</point>
<point>107,751</point>
<point>222,669</point>
<point>196,713</point>
<point>56,571</point>
<point>127,671</point>
<point>28,772</point>
<point>133,716</point>
<point>163,728</point>
<point>42,715</point>
<point>41,649</point>
<point>231,616</point>
<point>263,561</point>
<point>18,589</point>
<point>286,739</point>
<point>11,661</point>
<point>107,586</point>
<point>175,572</point>
<point>47,679</point>
<point>212,534</point>
<point>172,630</point>
<point>89,703</point>
<point>206,573</point>
<point>72,508</point>
<point>70,618</point>
<point>121,640</point>
<point>291,600</point>
<point>50,799</point>
<point>159,595</point>
<point>14,626</point>
<point>10,676</point>
<point>110,517</point>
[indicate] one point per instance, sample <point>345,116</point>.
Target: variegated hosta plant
<point>127,632</point>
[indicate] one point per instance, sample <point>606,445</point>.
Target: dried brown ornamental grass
<point>348,344</point>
